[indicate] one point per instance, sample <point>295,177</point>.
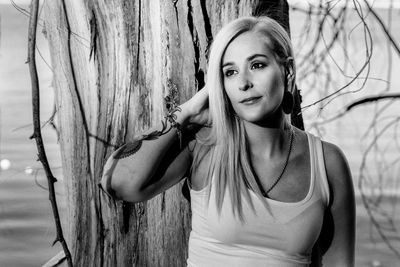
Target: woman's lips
<point>250,100</point>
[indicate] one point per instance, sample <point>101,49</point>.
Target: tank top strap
<point>317,156</point>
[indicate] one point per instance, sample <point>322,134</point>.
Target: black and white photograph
<point>200,133</point>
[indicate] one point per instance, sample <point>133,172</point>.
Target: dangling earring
<point>287,102</point>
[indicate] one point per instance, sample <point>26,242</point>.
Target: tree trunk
<point>112,61</point>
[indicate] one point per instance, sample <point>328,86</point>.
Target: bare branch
<point>385,30</point>
<point>37,127</point>
<point>371,99</point>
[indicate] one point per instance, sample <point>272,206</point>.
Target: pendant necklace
<point>265,193</point>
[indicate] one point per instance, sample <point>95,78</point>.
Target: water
<point>26,224</point>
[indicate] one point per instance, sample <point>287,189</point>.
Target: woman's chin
<point>263,119</point>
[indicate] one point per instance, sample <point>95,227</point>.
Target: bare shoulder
<point>338,171</point>
<point>333,155</point>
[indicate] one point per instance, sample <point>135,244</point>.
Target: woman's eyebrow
<point>227,64</point>
<point>257,55</point>
<point>248,59</point>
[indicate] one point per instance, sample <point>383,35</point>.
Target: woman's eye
<point>257,65</point>
<point>229,73</point>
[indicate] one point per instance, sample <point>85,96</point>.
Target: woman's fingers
<point>197,107</point>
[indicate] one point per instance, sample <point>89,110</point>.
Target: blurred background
<point>345,52</point>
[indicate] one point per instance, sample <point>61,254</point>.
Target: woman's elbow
<point>127,187</point>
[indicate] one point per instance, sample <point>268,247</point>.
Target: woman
<point>263,193</point>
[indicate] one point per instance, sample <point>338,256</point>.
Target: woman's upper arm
<point>170,171</point>
<point>341,208</point>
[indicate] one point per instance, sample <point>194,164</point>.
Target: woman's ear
<point>289,74</point>
<point>289,68</point>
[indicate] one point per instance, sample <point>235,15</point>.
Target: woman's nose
<point>245,83</point>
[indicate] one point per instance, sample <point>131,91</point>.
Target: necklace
<point>265,193</point>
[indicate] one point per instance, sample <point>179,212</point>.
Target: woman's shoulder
<point>337,170</point>
<point>333,155</point>
<point>335,160</point>
<point>336,166</point>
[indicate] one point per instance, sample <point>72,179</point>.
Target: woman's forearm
<point>131,167</point>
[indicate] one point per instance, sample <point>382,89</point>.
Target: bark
<point>112,61</point>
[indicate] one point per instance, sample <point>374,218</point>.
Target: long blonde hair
<point>228,148</point>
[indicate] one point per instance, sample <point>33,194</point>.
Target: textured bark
<point>110,75</point>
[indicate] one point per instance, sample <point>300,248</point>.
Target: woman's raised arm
<point>140,170</point>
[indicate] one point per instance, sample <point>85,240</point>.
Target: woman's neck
<point>267,141</point>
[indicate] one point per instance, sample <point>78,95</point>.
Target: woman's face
<point>252,78</point>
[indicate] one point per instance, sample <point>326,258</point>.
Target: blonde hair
<point>228,148</point>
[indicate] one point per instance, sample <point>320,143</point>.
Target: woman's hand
<point>197,107</point>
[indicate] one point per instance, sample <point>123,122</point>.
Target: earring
<point>287,102</point>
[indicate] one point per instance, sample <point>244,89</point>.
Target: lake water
<point>26,223</point>
<point>26,226</point>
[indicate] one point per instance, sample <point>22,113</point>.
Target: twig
<point>37,128</point>
<point>385,30</point>
<point>56,260</point>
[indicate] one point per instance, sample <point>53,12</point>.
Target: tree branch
<point>385,30</point>
<point>371,99</point>
<point>37,127</point>
<point>354,104</point>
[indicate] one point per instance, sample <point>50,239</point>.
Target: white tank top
<point>283,236</point>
